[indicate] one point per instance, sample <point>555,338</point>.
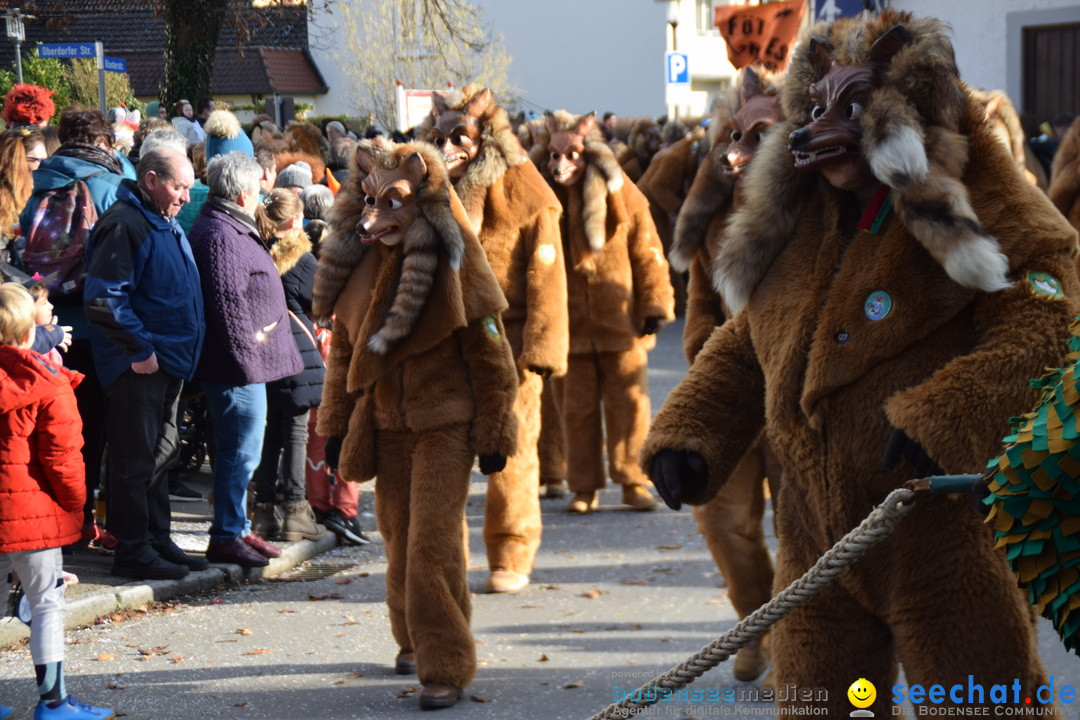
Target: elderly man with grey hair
<point>318,199</point>
<point>248,344</point>
<point>163,137</point>
<point>143,301</point>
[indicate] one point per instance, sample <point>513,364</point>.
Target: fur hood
<point>499,148</point>
<point>638,139</point>
<point>434,232</point>
<point>712,191</point>
<point>288,250</point>
<point>603,176</point>
<point>912,137</point>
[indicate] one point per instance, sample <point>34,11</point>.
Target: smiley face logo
<point>862,693</point>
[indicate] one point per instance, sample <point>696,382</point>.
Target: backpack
<point>59,231</point>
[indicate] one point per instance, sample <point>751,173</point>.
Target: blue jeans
<point>238,413</point>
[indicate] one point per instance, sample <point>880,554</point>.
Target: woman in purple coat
<point>248,343</point>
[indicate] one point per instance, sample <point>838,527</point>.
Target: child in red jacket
<point>42,490</point>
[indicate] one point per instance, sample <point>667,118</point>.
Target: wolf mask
<point>600,174</point>
<point>883,96</point>
<point>398,195</point>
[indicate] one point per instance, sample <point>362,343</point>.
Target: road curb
<point>86,609</point>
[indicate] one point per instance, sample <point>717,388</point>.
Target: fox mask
<point>389,197</point>
<point>566,149</point>
<point>757,112</point>
<point>457,132</point>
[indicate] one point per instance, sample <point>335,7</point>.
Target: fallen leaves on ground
<point>543,658</point>
<point>243,631</point>
<point>408,692</point>
<point>105,656</point>
<point>330,596</point>
<point>638,581</point>
<point>349,620</point>
<point>592,593</point>
<point>479,699</point>
<point>572,685</point>
<point>259,651</point>
<point>177,659</point>
<point>669,547</point>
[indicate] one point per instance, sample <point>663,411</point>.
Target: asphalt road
<point>617,598</point>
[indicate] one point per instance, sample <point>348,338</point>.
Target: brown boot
<point>435,696</point>
<point>552,489</point>
<point>583,502</point>
<point>405,662</point>
<point>505,581</point>
<point>638,497</point>
<point>265,520</point>
<point>299,523</point>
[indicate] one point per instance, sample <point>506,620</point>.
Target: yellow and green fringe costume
<point>1035,497</point>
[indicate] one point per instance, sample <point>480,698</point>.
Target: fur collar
<point>499,150</point>
<point>603,176</point>
<point>287,251</point>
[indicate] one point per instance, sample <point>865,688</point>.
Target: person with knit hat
<point>223,135</point>
<point>295,177</point>
<point>156,109</point>
<point>28,105</point>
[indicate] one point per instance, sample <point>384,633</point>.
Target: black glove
<point>332,451</point>
<point>651,326</point>
<point>492,463</point>
<point>675,470</point>
<point>900,445</point>
<point>543,372</point>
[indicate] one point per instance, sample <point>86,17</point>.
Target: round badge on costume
<point>546,251</point>
<point>878,305</point>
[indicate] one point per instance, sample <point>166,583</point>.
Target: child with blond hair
<point>43,482</point>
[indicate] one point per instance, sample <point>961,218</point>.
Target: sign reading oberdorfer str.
<point>67,50</point>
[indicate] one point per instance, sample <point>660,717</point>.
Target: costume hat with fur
<point>911,137</point>
<point>224,135</point>
<point>435,231</point>
<point>602,173</point>
<point>28,105</point>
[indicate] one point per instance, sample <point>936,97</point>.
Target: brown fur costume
<point>665,184</point>
<point>516,216</point>
<point>420,379</point>
<point>1005,121</point>
<point>617,280</point>
<point>1064,189</point>
<point>635,157</point>
<point>731,522</point>
<point>948,365</point>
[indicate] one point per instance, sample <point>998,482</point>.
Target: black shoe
<point>348,529</point>
<point>182,493</point>
<point>174,554</point>
<point>156,569</point>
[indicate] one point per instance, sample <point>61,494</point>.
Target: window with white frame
<point>703,17</point>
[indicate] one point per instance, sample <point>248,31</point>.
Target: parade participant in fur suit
<point>665,185</point>
<point>1005,121</point>
<point>875,343</point>
<point>620,295</point>
<point>1064,188</point>
<point>642,144</point>
<point>516,217</point>
<point>731,521</point>
<point>420,380</point>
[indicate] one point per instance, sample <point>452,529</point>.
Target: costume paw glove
<point>492,463</point>
<point>676,470</point>
<point>901,446</point>
<point>332,451</point>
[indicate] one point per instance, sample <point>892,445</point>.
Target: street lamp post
<point>16,33</point>
<point>673,21</point>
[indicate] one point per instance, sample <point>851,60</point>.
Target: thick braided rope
<point>877,526</point>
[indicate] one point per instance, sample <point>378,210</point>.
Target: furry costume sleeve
<point>1064,190</point>
<point>704,311</point>
<point>960,413</point>
<point>546,336</point>
<point>495,382</point>
<point>653,294</point>
<point>717,411</point>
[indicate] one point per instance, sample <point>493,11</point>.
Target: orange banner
<point>760,34</point>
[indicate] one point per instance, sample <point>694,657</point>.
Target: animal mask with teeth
<point>866,101</point>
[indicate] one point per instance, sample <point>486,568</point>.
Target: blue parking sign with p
<point>678,68</point>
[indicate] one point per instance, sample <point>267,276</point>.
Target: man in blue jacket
<point>144,304</point>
